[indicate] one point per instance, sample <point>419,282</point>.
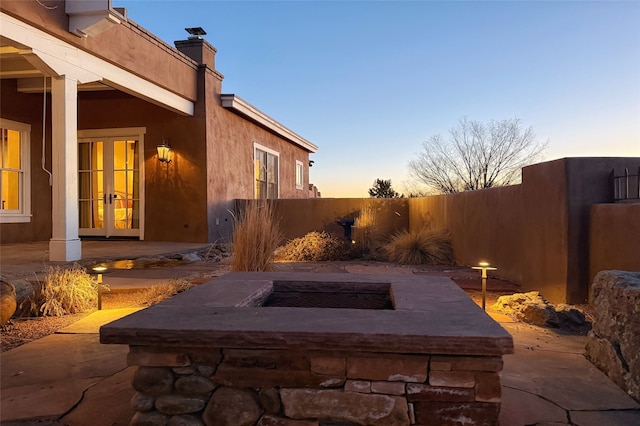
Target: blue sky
<point>369,81</point>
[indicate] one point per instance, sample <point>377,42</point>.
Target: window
<point>299,175</point>
<point>266,172</point>
<point>15,184</point>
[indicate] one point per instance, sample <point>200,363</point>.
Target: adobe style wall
<point>187,200</point>
<point>538,234</point>
<point>141,55</point>
<point>484,226</point>
<point>615,238</point>
<point>300,217</point>
<point>27,108</point>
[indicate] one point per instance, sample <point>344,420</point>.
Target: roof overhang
<point>246,110</point>
<point>53,57</point>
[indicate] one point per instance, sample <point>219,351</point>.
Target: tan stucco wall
<point>175,207</point>
<point>123,45</point>
<point>614,238</point>
<point>299,217</point>
<point>187,200</point>
<point>27,108</point>
<point>484,226</point>
<point>535,233</point>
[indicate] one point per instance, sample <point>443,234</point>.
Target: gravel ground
<point>24,330</point>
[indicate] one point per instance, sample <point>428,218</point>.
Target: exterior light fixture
<point>484,267</point>
<point>99,270</point>
<point>164,152</point>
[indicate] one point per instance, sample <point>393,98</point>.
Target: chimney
<point>198,48</point>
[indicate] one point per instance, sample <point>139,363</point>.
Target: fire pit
<point>271,348</point>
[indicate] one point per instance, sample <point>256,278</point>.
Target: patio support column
<point>65,244</point>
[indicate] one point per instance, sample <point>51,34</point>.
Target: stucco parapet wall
<point>245,109</point>
<point>431,315</point>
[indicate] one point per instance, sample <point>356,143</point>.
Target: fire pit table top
<point>430,314</point>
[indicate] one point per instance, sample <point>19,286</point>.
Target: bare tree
<point>476,155</point>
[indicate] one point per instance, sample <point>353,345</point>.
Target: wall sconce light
<point>164,152</point>
<point>484,267</point>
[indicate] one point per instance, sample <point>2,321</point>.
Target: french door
<point>109,185</point>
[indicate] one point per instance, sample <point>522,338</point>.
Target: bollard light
<point>99,270</point>
<point>484,267</point>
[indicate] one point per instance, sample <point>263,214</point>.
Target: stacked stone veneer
<point>214,355</point>
<point>613,344</point>
<point>282,387</point>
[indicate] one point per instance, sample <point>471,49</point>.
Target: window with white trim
<point>266,165</point>
<point>299,175</point>
<point>15,182</point>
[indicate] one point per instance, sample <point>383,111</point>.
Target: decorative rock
<point>270,400</point>
<point>527,307</point>
<point>533,309</point>
<point>191,257</point>
<point>153,380</point>
<point>185,420</point>
<point>359,408</point>
<point>151,418</point>
<point>614,343</point>
<point>229,406</point>
<point>141,402</point>
<point>193,385</point>
<point>178,404</point>
<point>8,302</point>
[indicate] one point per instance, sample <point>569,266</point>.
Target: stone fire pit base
<point>214,356</point>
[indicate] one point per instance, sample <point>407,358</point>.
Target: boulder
<point>7,302</point>
<point>532,308</point>
<point>613,344</point>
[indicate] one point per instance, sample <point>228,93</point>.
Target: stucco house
<point>91,102</point>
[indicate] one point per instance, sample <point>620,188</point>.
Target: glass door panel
<point>125,184</point>
<point>91,186</point>
<point>109,187</point>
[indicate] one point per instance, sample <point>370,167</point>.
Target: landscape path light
<point>484,267</point>
<point>99,270</point>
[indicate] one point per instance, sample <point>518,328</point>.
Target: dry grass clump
<point>256,234</point>
<point>63,292</point>
<point>158,293</point>
<point>421,247</point>
<point>314,247</point>
<point>365,230</point>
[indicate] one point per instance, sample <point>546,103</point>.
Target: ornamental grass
<point>420,247</point>
<point>256,235</point>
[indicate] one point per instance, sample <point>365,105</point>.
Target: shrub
<point>158,293</point>
<point>256,234</point>
<point>421,247</point>
<point>63,291</point>
<point>315,247</point>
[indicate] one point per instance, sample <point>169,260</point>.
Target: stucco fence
<point>551,233</point>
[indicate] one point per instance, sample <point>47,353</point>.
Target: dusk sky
<point>369,81</point>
